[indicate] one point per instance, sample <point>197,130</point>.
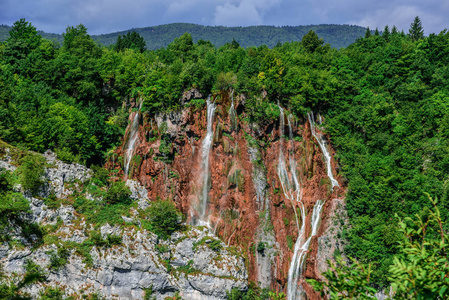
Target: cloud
<point>243,12</point>
<point>105,16</point>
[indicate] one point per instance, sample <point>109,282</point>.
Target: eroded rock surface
<point>185,264</point>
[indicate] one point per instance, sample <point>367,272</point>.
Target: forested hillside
<point>384,99</point>
<point>161,36</point>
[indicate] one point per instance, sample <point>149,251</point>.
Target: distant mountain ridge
<point>160,36</point>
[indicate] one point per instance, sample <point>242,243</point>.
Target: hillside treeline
<point>161,36</point>
<point>385,102</point>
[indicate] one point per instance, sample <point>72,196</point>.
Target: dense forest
<point>384,98</point>
<point>161,36</point>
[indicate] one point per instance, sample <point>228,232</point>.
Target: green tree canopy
<point>416,31</point>
<point>311,41</point>
<point>131,40</point>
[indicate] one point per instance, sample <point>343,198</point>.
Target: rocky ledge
<point>192,263</point>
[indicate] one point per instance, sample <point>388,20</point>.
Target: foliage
<point>311,42</point>
<point>51,293</point>
<point>160,36</point>
<point>261,246</point>
<point>163,218</point>
<point>131,40</point>
<point>421,271</point>
<point>345,282</point>
<point>416,30</point>
<point>33,273</point>
<point>58,259</point>
<point>254,293</point>
<point>118,193</point>
<point>31,171</point>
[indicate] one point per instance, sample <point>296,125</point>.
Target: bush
<point>118,193</point>
<point>163,218</point>
<point>100,175</point>
<point>58,259</point>
<point>261,247</point>
<point>51,293</point>
<point>31,172</point>
<point>215,245</point>
<point>33,274</point>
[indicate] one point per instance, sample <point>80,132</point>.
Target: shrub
<point>261,247</point>
<point>31,172</point>
<point>215,245</point>
<point>58,259</point>
<point>118,193</point>
<point>163,218</point>
<point>100,176</point>
<point>51,293</point>
<point>33,274</point>
<point>290,242</point>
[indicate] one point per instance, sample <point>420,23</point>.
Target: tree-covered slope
<point>161,36</point>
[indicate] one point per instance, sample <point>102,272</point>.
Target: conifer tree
<point>416,31</point>
<point>394,31</point>
<point>376,32</point>
<point>386,33</point>
<point>367,32</point>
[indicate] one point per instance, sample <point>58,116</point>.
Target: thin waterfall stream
<point>205,176</point>
<point>292,191</point>
<point>322,143</point>
<point>232,113</point>
<point>133,137</point>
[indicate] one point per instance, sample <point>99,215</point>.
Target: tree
<point>367,32</point>
<point>394,31</point>
<point>132,40</point>
<point>386,33</point>
<point>421,271</point>
<point>416,31</point>
<point>345,281</point>
<point>311,41</point>
<point>376,32</point>
<point>163,218</point>
<point>23,39</point>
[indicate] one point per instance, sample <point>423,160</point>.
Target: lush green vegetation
<point>163,218</point>
<point>420,271</point>
<point>157,37</point>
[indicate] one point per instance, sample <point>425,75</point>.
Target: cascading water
<point>133,137</point>
<point>292,191</point>
<point>206,145</point>
<point>290,187</point>
<point>233,114</point>
<point>300,251</point>
<point>323,147</point>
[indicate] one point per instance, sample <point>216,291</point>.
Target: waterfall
<point>206,145</point>
<point>300,251</point>
<point>323,147</point>
<point>290,187</point>
<point>132,139</point>
<point>233,114</point>
<point>292,191</point>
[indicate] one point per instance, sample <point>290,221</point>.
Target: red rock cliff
<point>247,207</point>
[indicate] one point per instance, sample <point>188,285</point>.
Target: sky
<point>107,16</point>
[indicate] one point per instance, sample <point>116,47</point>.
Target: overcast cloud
<point>106,16</point>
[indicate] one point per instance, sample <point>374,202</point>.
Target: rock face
<point>193,263</point>
<point>123,272</point>
<point>246,205</point>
